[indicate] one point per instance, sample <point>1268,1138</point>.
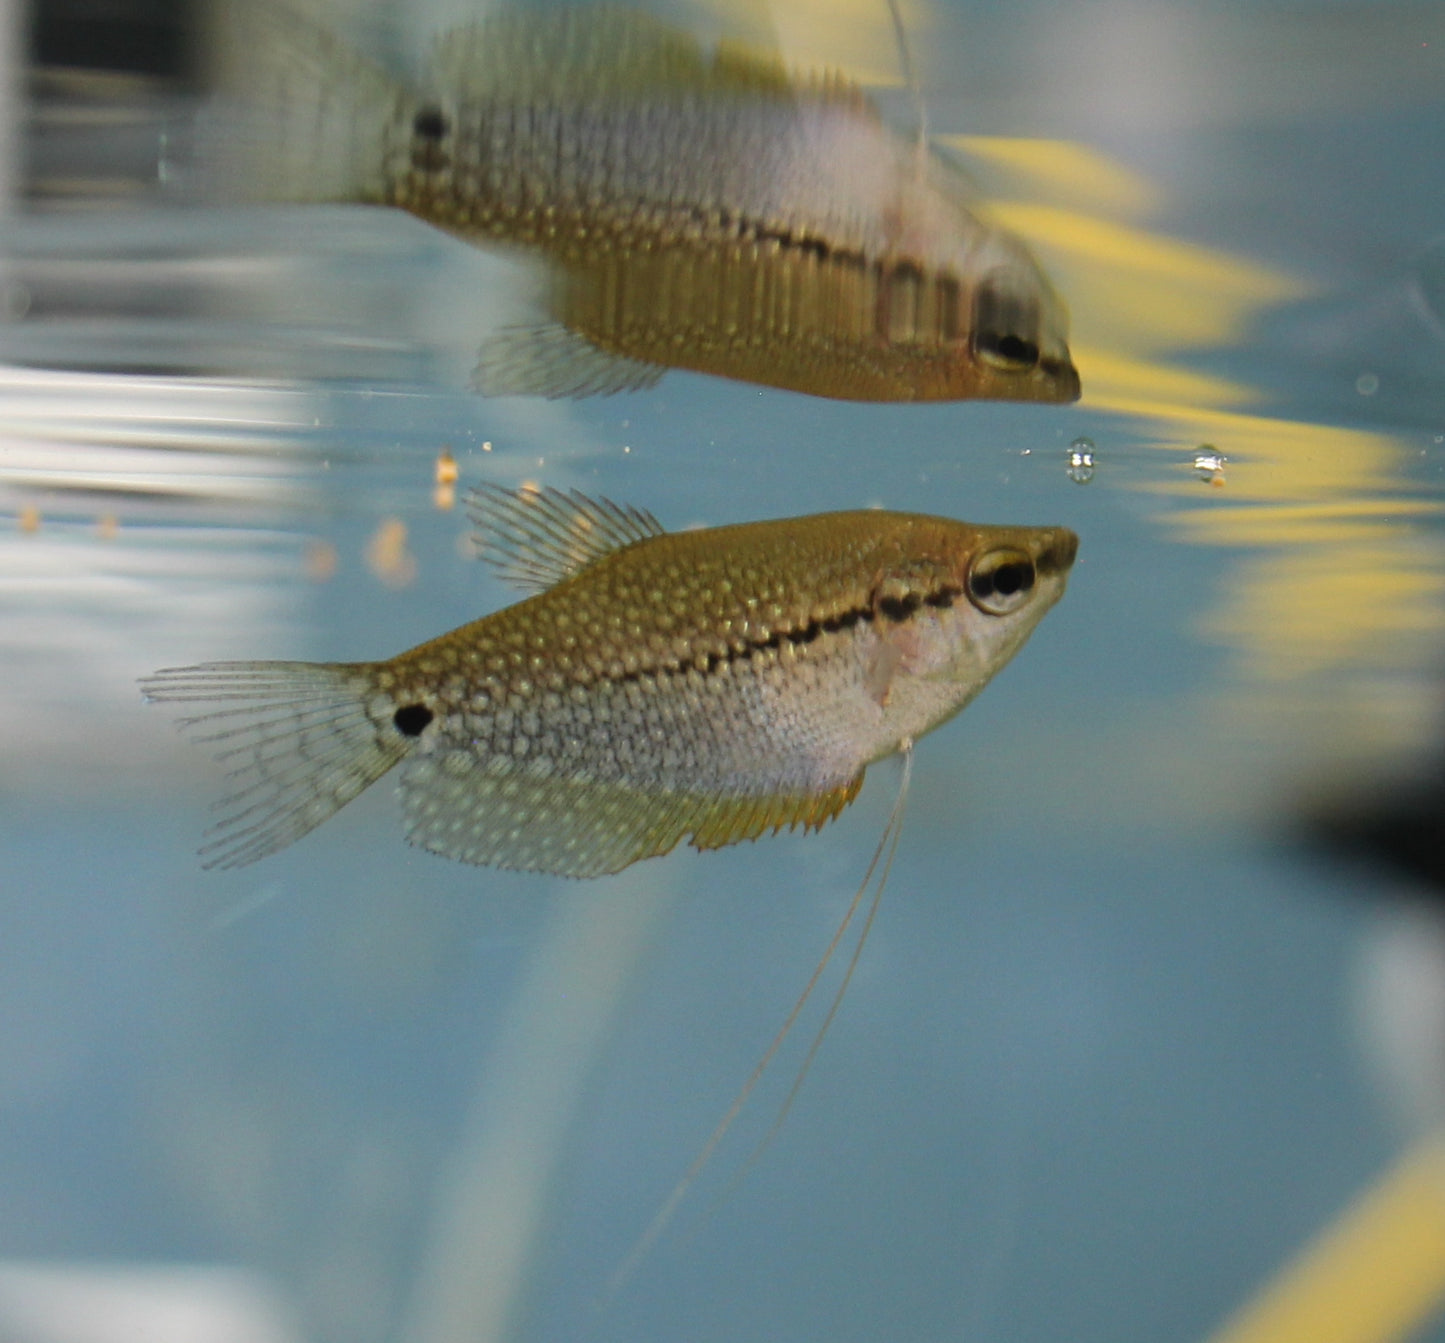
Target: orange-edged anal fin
<point>735,820</point>
<point>509,814</point>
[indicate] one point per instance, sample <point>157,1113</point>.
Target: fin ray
<point>535,538</point>
<point>551,361</point>
<point>305,736</point>
<point>886,847</point>
<point>306,116</point>
<point>505,815</point>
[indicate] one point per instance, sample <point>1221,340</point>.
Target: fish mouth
<point>1062,378</point>
<point>1056,551</point>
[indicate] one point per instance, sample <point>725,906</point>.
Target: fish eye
<point>1000,581</point>
<point>1005,329</point>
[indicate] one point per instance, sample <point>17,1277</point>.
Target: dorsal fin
<point>536,537</point>
<point>549,360</point>
<point>608,52</point>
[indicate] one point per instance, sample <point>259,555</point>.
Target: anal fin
<point>509,814</point>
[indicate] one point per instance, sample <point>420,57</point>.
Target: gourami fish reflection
<point>694,210</point>
<point>709,685</point>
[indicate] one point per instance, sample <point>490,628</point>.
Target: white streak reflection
<point>144,514</point>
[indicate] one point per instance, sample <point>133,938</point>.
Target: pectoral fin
<point>878,679</point>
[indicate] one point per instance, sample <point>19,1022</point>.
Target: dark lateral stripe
<point>751,230</point>
<point>744,229</point>
<point>431,129</point>
<point>890,608</point>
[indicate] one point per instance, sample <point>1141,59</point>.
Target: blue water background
<point>1115,1050</point>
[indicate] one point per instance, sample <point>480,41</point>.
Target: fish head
<point>1011,578</point>
<point>988,588</point>
<point>1013,329</point>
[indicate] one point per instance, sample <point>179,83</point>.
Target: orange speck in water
<point>30,519</point>
<point>446,468</point>
<point>1217,482</point>
<point>444,497</point>
<point>321,561</point>
<point>387,556</point>
<point>106,526</point>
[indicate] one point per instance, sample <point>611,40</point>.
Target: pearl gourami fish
<point>709,685</point>
<point>694,209</point>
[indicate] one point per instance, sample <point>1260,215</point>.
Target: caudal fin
<point>301,114</point>
<point>299,740</point>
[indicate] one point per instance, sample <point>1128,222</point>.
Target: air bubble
<point>1367,384</point>
<point>1209,464</point>
<point>1081,461</point>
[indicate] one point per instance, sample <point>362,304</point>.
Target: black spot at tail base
<point>430,124</point>
<point>430,129</point>
<point>411,719</point>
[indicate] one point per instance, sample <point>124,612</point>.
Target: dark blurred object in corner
<point>1400,825</point>
<point>104,80</point>
<point>137,37</point>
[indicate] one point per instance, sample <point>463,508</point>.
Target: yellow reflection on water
<point>1377,1275</point>
<point>1064,171</point>
<point>1316,607</point>
<point>1348,579</point>
<point>1132,289</point>
<point>1124,382</point>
